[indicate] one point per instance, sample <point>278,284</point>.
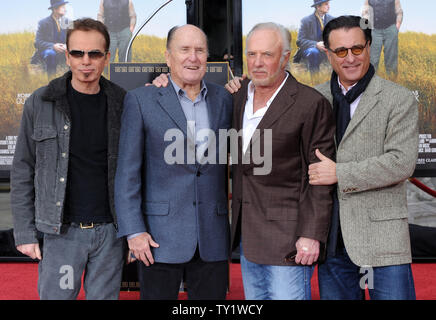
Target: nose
<point>350,57</point>
<point>193,56</point>
<point>258,61</point>
<point>85,59</point>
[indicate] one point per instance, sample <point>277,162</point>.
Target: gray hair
<point>284,33</point>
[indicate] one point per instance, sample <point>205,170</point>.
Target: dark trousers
<point>340,279</point>
<point>204,280</point>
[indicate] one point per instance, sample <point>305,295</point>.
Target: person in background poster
<point>50,39</point>
<point>310,45</point>
<point>120,18</point>
<point>387,16</point>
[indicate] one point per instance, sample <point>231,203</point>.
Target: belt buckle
<point>86,225</point>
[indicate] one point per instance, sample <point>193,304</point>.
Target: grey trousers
<point>95,253</point>
<point>388,40</point>
<point>120,40</point>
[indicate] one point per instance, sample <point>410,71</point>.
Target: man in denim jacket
<point>63,172</point>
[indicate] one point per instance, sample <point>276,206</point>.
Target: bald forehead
<point>188,31</point>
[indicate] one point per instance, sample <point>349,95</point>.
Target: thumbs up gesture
<point>324,172</point>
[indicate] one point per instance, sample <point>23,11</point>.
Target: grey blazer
<point>181,205</point>
<point>376,155</point>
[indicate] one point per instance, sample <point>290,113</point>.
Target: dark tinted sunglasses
<point>93,54</point>
<point>343,52</point>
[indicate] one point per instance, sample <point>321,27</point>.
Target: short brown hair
<point>88,24</point>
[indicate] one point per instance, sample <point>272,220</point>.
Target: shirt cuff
<point>131,236</point>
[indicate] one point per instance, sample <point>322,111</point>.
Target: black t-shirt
<point>87,197</point>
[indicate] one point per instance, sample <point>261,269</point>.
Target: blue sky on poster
<point>418,14</point>
<point>19,15</point>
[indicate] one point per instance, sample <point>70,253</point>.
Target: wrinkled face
<point>351,68</point>
<point>264,58</point>
<point>323,8</point>
<point>86,70</point>
<point>60,11</point>
<point>187,56</point>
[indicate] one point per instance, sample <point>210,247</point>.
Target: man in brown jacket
<point>278,218</point>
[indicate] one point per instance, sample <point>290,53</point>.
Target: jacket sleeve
<point>316,201</point>
<point>304,35</point>
<point>22,180</point>
<point>398,160</point>
<point>42,39</point>
<point>128,177</point>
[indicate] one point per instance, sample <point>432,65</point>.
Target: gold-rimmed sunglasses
<point>343,52</point>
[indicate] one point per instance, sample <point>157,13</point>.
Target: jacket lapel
<point>243,102</point>
<point>213,108</point>
<point>282,102</point>
<point>167,98</point>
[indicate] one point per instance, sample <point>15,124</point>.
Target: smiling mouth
<point>193,68</point>
<point>352,67</point>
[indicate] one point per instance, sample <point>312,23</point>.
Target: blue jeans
<point>314,58</point>
<point>97,252</point>
<point>340,279</point>
<point>51,59</point>
<point>268,282</point>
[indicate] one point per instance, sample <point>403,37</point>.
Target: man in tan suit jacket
<point>278,214</point>
<point>376,153</point>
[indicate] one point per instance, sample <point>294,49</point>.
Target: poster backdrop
<point>22,72</point>
<point>22,45</point>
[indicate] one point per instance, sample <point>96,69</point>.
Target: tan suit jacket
<point>376,155</point>
<point>278,208</point>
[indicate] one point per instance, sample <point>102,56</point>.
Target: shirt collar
<point>182,93</point>
<point>250,96</point>
<point>345,91</point>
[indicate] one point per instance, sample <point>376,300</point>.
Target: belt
<point>87,225</point>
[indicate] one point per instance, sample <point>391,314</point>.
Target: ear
<point>329,56</point>
<point>108,58</point>
<point>167,58</point>
<point>286,59</point>
<point>67,58</point>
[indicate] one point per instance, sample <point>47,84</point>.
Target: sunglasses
<point>93,54</point>
<point>343,52</point>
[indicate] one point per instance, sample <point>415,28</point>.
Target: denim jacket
<point>40,166</point>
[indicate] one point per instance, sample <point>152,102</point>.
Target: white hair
<point>284,33</point>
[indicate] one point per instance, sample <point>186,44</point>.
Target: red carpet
<point>18,281</point>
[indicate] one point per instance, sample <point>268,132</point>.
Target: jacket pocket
<point>46,145</point>
<point>156,208</point>
<point>387,213</point>
<point>44,133</point>
<point>281,213</point>
<point>46,149</point>
<point>221,209</point>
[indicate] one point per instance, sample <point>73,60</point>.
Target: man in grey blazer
<point>369,239</point>
<point>172,205</point>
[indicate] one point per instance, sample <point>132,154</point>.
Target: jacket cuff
<point>25,237</point>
